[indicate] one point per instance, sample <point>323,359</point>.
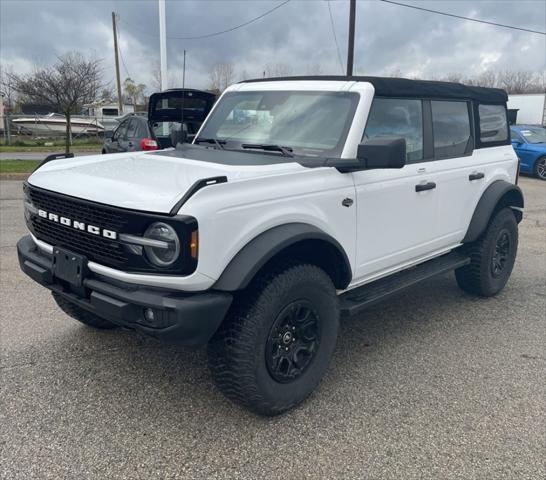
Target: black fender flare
<point>256,253</point>
<point>499,194</point>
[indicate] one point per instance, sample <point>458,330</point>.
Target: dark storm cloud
<point>389,38</point>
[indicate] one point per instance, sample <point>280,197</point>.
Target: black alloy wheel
<point>293,341</point>
<point>501,254</point>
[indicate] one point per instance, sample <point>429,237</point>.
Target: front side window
<point>132,128</point>
<point>394,117</point>
<point>310,123</point>
<point>121,131</point>
<point>493,123</point>
<point>451,128</point>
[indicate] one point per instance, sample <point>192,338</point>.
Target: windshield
<point>534,135</point>
<point>309,123</point>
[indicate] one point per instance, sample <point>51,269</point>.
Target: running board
<point>353,301</point>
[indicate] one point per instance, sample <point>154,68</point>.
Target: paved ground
<point>38,155</point>
<point>433,385</point>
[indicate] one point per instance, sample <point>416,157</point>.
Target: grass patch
<point>18,166</point>
<point>20,144</point>
<point>82,148</point>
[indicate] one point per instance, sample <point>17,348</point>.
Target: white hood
<point>142,181</point>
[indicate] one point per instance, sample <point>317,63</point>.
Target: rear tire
<point>540,168</point>
<point>492,256</point>
<point>81,315</point>
<point>276,343</point>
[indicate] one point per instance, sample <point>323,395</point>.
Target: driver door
<point>118,137</point>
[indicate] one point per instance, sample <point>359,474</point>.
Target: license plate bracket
<point>69,266</point>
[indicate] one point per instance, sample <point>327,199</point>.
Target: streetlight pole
<point>163,45</point>
<point>351,46</point>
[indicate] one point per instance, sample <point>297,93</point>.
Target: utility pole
<point>184,71</point>
<point>351,46</point>
<point>118,81</point>
<point>163,45</point>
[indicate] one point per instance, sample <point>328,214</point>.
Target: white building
<point>531,108</point>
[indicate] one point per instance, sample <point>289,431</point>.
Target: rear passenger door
<point>397,210</point>
<point>464,171</point>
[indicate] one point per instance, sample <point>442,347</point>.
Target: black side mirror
<point>382,152</point>
<point>179,134</point>
<point>108,134</point>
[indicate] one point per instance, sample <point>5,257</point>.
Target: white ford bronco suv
<point>300,200</point>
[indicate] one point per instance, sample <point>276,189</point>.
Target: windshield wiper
<point>219,143</point>
<point>286,151</point>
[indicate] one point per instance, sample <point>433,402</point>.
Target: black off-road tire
<point>82,315</point>
<point>483,276</point>
<point>239,353</point>
<point>540,168</point>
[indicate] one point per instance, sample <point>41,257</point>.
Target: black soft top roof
<point>404,87</point>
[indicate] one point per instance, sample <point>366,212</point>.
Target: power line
<point>335,37</point>
<point>463,18</point>
<point>214,34</point>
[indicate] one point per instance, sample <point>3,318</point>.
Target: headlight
<point>167,250</point>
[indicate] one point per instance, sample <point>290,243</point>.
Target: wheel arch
<point>499,194</point>
<point>296,240</point>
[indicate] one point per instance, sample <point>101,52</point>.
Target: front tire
<point>540,168</point>
<point>277,341</point>
<point>492,256</point>
<point>81,315</point>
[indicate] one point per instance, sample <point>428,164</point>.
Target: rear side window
<point>397,117</point>
<point>451,128</point>
<point>493,123</point>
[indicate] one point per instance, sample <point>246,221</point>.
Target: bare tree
<point>221,76</point>
<point>133,92</point>
<point>107,95</point>
<point>516,81</point>
<point>72,82</point>
<point>277,70</point>
<point>7,85</point>
<point>314,69</point>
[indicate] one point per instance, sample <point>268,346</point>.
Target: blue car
<point>529,142</point>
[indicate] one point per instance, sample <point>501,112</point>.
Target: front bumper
<point>183,319</point>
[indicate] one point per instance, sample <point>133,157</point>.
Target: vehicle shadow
<point>179,381</point>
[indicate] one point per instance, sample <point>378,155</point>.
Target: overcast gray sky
<point>389,38</point>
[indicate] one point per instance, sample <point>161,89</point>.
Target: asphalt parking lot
<point>434,384</point>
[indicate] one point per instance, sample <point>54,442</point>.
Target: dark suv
<point>165,109</point>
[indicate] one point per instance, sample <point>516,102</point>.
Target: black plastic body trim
<point>205,182</point>
<point>193,317</point>
<point>356,300</point>
<point>53,156</point>
<point>499,194</point>
<point>255,254</point>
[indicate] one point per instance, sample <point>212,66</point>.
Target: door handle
<point>476,176</point>
<point>421,187</point>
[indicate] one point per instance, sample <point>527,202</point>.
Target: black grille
<point>98,248</point>
<point>94,247</point>
<point>91,214</point>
